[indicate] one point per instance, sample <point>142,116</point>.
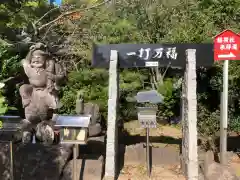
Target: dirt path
<point>158,173</point>
<point>159,137</point>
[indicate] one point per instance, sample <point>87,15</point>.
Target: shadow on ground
<point>232,143</point>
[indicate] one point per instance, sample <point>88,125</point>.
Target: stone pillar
<point>189,118</point>
<point>112,129</point>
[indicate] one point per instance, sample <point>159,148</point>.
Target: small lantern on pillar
<point>147,115</point>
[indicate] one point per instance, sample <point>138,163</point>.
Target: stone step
<point>87,169</point>
<point>136,154</point>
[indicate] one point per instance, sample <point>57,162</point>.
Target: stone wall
<point>34,161</point>
<point>5,161</point>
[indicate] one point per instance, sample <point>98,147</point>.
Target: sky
<point>58,2</point>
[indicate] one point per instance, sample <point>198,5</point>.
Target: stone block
<point>88,169</point>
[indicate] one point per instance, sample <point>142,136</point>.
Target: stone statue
<point>39,97</point>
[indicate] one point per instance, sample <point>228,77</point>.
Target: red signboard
<point>227,46</point>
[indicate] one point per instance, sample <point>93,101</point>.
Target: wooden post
<point>11,160</point>
<point>112,129</point>
<point>75,161</point>
<point>189,118</point>
<point>148,152</point>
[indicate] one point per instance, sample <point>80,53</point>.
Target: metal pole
<point>224,114</point>
<point>75,162</point>
<point>147,153</point>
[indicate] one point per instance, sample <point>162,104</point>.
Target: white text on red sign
<point>229,43</point>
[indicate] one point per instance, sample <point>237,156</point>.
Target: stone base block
<point>34,161</point>
<point>87,169</point>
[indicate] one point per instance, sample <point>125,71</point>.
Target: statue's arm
<point>26,62</point>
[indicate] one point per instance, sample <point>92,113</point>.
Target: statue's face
<point>38,60</point>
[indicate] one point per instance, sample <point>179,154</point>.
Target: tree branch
<point>153,77</point>
<point>71,12</point>
<point>50,11</point>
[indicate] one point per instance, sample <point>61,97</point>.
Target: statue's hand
<point>40,46</point>
<point>32,48</point>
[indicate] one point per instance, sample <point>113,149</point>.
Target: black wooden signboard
<point>148,55</point>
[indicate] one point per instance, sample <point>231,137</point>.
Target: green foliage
<point>3,105</point>
<point>234,124</point>
<point>170,107</point>
<point>131,82</point>
<point>94,84</point>
<point>208,122</point>
<point>9,64</point>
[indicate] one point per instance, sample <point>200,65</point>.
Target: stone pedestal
<point>34,161</point>
<point>87,169</point>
